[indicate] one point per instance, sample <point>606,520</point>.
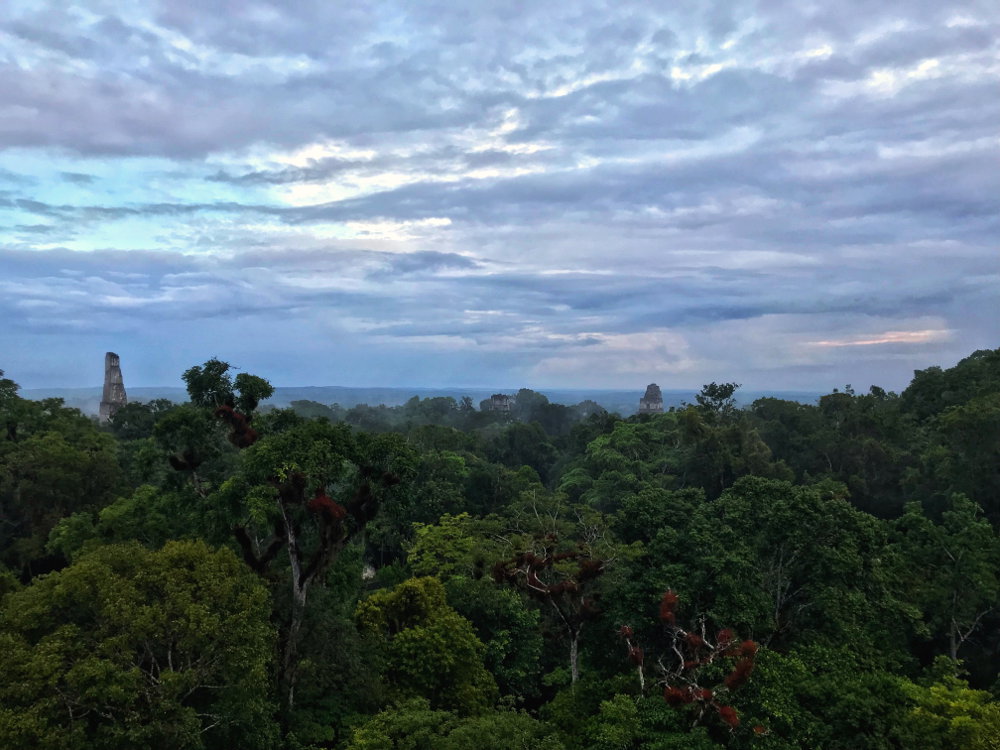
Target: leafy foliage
<point>223,574</point>
<point>134,648</point>
<point>414,725</point>
<point>431,651</point>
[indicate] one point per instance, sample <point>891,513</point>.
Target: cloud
<point>472,193</point>
<point>889,337</point>
<point>597,358</point>
<point>78,178</point>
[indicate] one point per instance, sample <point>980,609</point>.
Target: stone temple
<point>114,397</point>
<point>499,402</point>
<point>652,402</point>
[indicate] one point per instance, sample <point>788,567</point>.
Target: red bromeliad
<point>682,667</point>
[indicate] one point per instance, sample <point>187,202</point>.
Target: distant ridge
<point>624,402</point>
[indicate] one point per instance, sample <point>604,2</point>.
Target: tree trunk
<point>289,662</point>
<point>300,588</point>
<point>574,657</point>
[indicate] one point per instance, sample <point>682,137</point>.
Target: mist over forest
<point>624,402</point>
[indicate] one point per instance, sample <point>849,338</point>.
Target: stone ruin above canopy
<point>114,397</point>
<point>652,401</point>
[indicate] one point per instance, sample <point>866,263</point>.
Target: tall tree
<point>717,399</point>
<point>210,385</point>
<point>307,491</point>
<point>563,579</point>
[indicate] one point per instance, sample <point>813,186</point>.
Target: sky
<point>789,195</point>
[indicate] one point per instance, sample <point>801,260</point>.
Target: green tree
<point>625,722</point>
<point>958,561</point>
<point>150,516</point>
<point>864,441</point>
<point>431,651</point>
<point>564,578</point>
<point>790,565</point>
<point>816,698</point>
<point>9,403</point>
<point>134,648</point>
<point>523,445</point>
<point>135,420</point>
<point>210,385</point>
<point>8,390</point>
<point>527,404</point>
<point>193,444</point>
<point>948,715</point>
<point>509,629</point>
<point>680,449</point>
<point>455,551</point>
<point>414,725</point>
<point>933,390</point>
<point>443,549</point>
<point>717,399</point>
<point>307,492</point>
<point>48,474</point>
<point>252,389</point>
<point>370,418</point>
<point>971,435</point>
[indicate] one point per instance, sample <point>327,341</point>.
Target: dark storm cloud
<point>13,178</point>
<point>422,262</point>
<point>72,214</point>
<point>78,178</point>
<point>35,229</point>
<point>330,168</point>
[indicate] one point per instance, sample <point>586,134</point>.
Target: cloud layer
<point>592,194</point>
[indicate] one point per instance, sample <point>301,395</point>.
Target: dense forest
<point>434,576</point>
